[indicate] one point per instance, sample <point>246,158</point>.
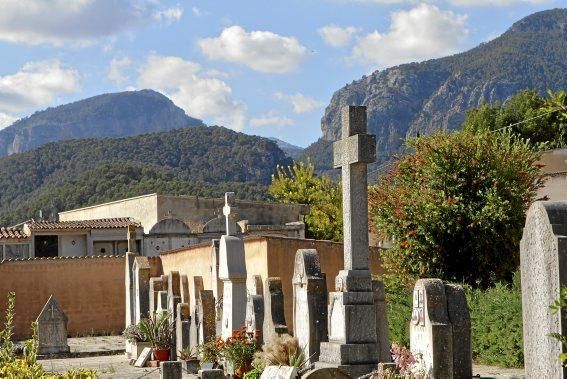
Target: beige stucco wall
<point>555,166</point>
<point>89,289</point>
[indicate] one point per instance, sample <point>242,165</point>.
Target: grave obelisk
<point>352,314</point>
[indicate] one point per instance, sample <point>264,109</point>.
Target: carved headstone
<point>274,317</point>
<point>156,285</point>
<point>162,302</point>
<point>445,348</point>
<point>141,277</point>
<point>309,303</point>
<point>182,327</point>
<point>171,370</point>
<point>257,285</point>
<point>207,319</point>
<point>255,317</point>
<point>52,329</point>
<point>185,297</point>
<point>543,261</point>
<point>232,272</point>
<point>229,205</point>
<point>279,372</point>
<point>196,288</point>
<point>351,347</point>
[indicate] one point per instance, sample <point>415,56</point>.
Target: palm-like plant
<point>158,330</point>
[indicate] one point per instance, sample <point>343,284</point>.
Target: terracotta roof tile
<point>12,233</point>
<point>104,223</point>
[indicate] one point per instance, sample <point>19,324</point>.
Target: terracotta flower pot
<point>161,354</point>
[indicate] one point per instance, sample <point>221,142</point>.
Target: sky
<point>263,67</point>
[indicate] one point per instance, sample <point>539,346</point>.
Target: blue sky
<point>262,67</point>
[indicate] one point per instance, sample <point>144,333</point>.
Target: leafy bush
<point>455,207</point>
<point>496,318</point>
<point>157,329</point>
<point>556,307</point>
<point>399,299</point>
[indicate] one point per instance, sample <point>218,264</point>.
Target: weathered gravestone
<point>171,370</point>
<point>543,261</point>
<point>440,329</point>
<point>309,303</point>
<point>257,286</point>
<point>182,328</point>
<point>156,285</point>
<point>141,278</point>
<point>207,318</point>
<point>274,317</point>
<point>196,288</point>
<point>255,317</point>
<point>351,347</point>
<point>162,302</point>
<point>52,329</point>
<point>130,297</point>
<point>232,272</point>
<point>279,372</point>
<point>185,297</point>
<point>173,300</point>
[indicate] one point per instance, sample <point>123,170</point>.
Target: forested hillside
<point>204,161</point>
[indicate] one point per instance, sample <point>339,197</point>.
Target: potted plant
<point>239,351</point>
<point>137,340</point>
<point>210,351</point>
<point>190,361</point>
<point>158,330</point>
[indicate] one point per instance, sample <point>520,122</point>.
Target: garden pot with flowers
<point>158,330</point>
<point>238,351</point>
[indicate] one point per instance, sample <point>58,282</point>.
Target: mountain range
<point>109,115</point>
<point>419,98</point>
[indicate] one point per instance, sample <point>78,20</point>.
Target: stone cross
<point>52,329</point>
<point>352,153</point>
<point>440,329</point>
<point>543,263</point>
<point>229,203</point>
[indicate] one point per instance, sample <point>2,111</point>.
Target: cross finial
<point>229,198</point>
<point>353,119</point>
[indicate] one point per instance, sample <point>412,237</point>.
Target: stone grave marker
<point>255,317</point>
<point>207,318</point>
<point>182,327</point>
<point>274,317</point>
<point>211,374</point>
<point>543,263</point>
<point>130,297</point>
<point>185,298</point>
<point>382,332</point>
<point>162,302</point>
<point>144,357</point>
<point>52,329</point>
<point>279,372</point>
<point>232,272</point>
<point>141,269</point>
<point>216,283</point>
<point>171,370</point>
<point>352,348</point>
<point>309,303</point>
<point>445,348</point>
<point>196,288</point>
<point>257,285</point>
<point>156,285</point>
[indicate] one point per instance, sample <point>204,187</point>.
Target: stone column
<point>232,272</point>
<point>129,287</point>
<point>382,332</point>
<point>309,303</point>
<point>141,269</point>
<point>543,262</point>
<point>351,347</point>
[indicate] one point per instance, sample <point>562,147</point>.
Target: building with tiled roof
<point>14,243</point>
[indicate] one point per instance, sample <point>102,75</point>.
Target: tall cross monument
<point>352,342</point>
<point>232,273</point>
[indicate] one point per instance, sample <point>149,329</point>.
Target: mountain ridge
<point>116,114</point>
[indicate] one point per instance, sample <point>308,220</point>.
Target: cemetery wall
<point>89,289</point>
<point>555,168</point>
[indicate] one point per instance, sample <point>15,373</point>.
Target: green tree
<point>299,184</point>
<point>543,121</point>
<point>455,207</point>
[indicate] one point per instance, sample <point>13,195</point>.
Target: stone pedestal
<point>232,272</point>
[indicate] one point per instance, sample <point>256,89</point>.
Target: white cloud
<point>116,70</point>
<point>259,50</point>
<point>198,12</point>
<point>420,33</point>
<point>498,3</point>
<point>79,22</point>
<point>169,15</point>
<point>6,120</point>
<point>36,84</point>
<point>337,36</point>
<point>193,90</point>
<point>300,102</point>
<point>271,119</point>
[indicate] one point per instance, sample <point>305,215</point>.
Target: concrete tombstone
<point>52,329</point>
<point>171,370</point>
<point>382,332</point>
<point>445,348</point>
<point>196,288</point>
<point>309,303</point>
<point>156,285</point>
<point>182,328</point>
<point>257,285</point>
<point>543,262</point>
<point>279,372</point>
<point>184,289</point>
<point>207,318</point>
<point>255,317</point>
<point>141,278</point>
<point>274,317</point>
